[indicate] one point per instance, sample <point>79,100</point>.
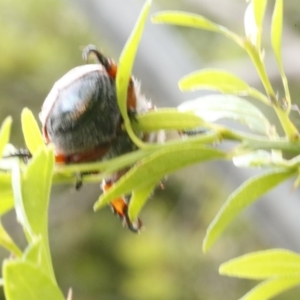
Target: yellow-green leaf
<point>36,187</point>
<point>276,31</point>
<point>6,193</point>
<point>139,198</point>
<point>215,107</point>
<point>253,21</point>
<point>125,66</point>
<point>24,280</point>
<point>31,131</point>
<point>157,165</point>
<point>219,80</point>
<point>213,79</point>
<point>167,119</point>
<point>4,133</point>
<point>193,20</point>
<point>246,194</point>
<point>263,264</point>
<point>271,288</point>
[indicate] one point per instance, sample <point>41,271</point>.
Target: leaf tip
<point>206,245</point>
<point>99,204</point>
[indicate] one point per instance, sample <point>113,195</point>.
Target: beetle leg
<point>120,208</point>
<point>79,181</point>
<point>132,114</point>
<point>131,97</point>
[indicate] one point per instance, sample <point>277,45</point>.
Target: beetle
<point>81,118</point>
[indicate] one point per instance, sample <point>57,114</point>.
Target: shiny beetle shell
<point>81,111</point>
<point>81,118</point>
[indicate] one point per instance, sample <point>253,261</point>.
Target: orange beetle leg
<point>120,208</point>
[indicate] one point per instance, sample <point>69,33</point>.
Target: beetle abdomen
<point>85,114</point>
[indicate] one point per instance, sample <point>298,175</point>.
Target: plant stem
<point>257,142</point>
<point>288,127</point>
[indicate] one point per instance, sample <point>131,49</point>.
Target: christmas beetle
<point>81,118</point>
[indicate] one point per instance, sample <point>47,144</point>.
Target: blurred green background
<point>92,253</point>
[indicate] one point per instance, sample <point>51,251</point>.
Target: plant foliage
<point>26,186</point>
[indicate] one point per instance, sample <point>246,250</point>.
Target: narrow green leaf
<point>6,193</point>
<point>254,16</point>
<point>270,288</point>
<point>193,20</point>
<point>18,199</point>
<point>7,242</point>
<point>215,107</point>
<point>36,190</point>
<point>276,32</point>
<point>139,198</point>
<point>254,159</point>
<point>185,19</point>
<point>246,194</point>
<point>33,253</point>
<point>222,81</point>
<point>125,66</point>
<point>31,131</point>
<point>4,133</point>
<point>36,193</point>
<point>126,160</point>
<point>276,36</point>
<point>24,280</point>
<point>259,11</point>
<point>263,264</point>
<point>167,119</point>
<point>156,166</point>
<point>219,80</point>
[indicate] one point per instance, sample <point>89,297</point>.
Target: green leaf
<point>219,80</point>
<point>246,194</point>
<point>4,133</point>
<point>263,264</point>
<point>36,190</point>
<point>270,288</point>
<point>156,166</point>
<point>276,32</point>
<point>33,253</point>
<point>139,198</point>
<point>259,11</point>
<point>36,193</point>
<point>254,159</point>
<point>254,16</point>
<point>126,160</point>
<point>7,242</point>
<point>23,280</point>
<point>215,107</point>
<point>276,36</point>
<point>31,131</point>
<point>18,199</point>
<point>185,19</point>
<point>6,193</point>
<point>125,66</point>
<point>193,20</point>
<point>167,119</point>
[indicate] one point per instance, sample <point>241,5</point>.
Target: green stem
<point>256,142</point>
<point>288,127</point>
<point>258,63</point>
<point>121,162</point>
